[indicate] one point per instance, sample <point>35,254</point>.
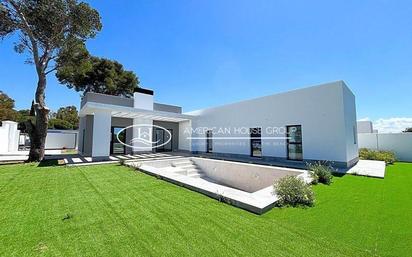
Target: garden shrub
<point>387,156</point>
<point>321,172</point>
<point>293,191</point>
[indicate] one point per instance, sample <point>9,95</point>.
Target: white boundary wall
<point>9,137</point>
<point>56,139</point>
<point>399,143</point>
<point>61,139</point>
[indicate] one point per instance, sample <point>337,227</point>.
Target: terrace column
<point>102,123</point>
<point>142,130</point>
<point>142,127</point>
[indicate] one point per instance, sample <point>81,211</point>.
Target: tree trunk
<point>38,131</point>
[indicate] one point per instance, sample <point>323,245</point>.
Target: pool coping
<point>257,202</point>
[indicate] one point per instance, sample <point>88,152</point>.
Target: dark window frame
<point>255,137</point>
<point>288,142</point>
<point>83,138</point>
<point>113,138</point>
<point>209,141</point>
<point>355,134</point>
<point>163,147</point>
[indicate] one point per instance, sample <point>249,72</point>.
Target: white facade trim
<point>129,112</point>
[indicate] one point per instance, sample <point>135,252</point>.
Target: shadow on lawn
<point>50,163</point>
<point>339,174</point>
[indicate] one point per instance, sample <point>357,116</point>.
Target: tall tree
<point>70,115</point>
<point>7,111</point>
<point>94,74</point>
<point>46,28</point>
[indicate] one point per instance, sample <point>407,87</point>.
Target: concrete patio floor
<point>81,160</point>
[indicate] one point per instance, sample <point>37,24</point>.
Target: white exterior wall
<point>9,137</point>
<point>365,126</point>
<point>101,133</point>
<point>143,101</point>
<point>4,139</point>
<point>184,133</point>
<point>326,113</point>
<point>145,128</point>
<point>61,139</point>
<point>349,107</point>
<point>368,140</point>
<point>399,143</point>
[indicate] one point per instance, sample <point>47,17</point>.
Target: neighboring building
<point>315,123</point>
<point>365,126</point>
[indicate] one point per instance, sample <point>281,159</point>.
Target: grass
<point>110,210</point>
<point>69,151</point>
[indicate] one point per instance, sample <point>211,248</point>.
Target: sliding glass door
<point>294,142</point>
<point>161,137</point>
<point>116,146</point>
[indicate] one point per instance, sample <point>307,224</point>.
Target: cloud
<point>391,125</point>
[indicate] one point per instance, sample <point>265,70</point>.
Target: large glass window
<point>161,137</point>
<point>294,142</point>
<point>116,146</point>
<point>255,142</point>
<point>209,142</point>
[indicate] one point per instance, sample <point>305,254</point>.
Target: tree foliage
<point>94,74</point>
<point>7,111</point>
<point>46,29</point>
<point>22,117</point>
<point>70,115</point>
<point>59,124</point>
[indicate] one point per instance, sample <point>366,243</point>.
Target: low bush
<point>122,162</point>
<point>293,191</point>
<point>321,172</point>
<point>387,156</point>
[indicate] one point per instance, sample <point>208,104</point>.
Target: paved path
<point>20,156</point>
<point>369,168</point>
<point>80,160</point>
<point>363,167</point>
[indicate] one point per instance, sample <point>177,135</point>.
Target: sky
<point>200,54</point>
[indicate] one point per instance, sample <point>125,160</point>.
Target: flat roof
<point>89,108</point>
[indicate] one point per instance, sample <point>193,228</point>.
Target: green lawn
<point>116,211</point>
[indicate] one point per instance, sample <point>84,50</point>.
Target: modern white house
<point>308,124</point>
